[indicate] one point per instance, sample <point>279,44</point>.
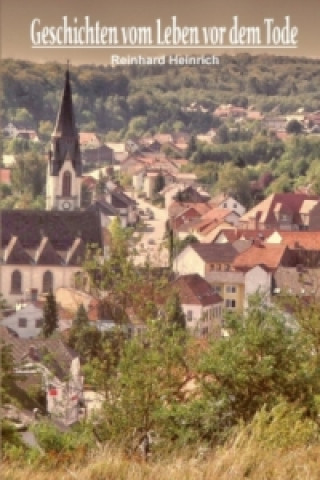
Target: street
<point>152,236</point>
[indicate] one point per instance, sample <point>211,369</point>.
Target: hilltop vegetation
<point>137,99</point>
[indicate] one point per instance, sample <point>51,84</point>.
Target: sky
<point>17,18</point>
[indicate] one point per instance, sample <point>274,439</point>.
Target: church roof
<point>47,237</point>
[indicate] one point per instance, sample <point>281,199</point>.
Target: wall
<point>257,280</point>
<point>32,276</point>
<point>188,261</point>
<point>31,313</point>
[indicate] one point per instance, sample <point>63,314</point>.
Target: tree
<point>159,183</point>
<point>293,126</point>
<point>50,315</point>
<point>29,174</point>
<point>222,134</point>
<point>234,181</point>
<point>174,313</point>
<point>81,319</point>
<point>7,374</point>
<point>149,377</point>
<point>262,360</point>
<point>192,146</point>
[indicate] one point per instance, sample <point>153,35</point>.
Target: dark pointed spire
<point>64,139</point>
<point>65,124</point>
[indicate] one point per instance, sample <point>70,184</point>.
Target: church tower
<point>64,165</point>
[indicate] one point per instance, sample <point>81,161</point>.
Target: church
<point>44,250</point>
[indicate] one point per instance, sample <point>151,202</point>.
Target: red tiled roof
<point>266,255</point>
<point>5,175</point>
<point>195,290</point>
<point>233,234</point>
<point>288,202</point>
<point>87,137</point>
<point>303,240</point>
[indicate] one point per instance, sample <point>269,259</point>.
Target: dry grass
<point>235,462</point>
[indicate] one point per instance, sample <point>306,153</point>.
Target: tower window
<point>66,184</point>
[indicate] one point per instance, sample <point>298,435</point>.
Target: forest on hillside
<point>130,100</point>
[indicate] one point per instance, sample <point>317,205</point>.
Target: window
<point>66,184</point>
<point>226,267</point>
<point>217,288</point>
<point>47,282</point>
<point>39,322</point>
<point>34,294</point>
<point>189,316</point>
<point>231,303</point>
<point>22,322</point>
<point>16,282</point>
<point>231,289</point>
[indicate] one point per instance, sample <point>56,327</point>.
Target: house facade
<point>202,306</point>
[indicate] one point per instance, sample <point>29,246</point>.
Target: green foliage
<point>71,445</point>
<point>294,127</point>
<point>29,174</point>
<point>174,313</point>
<point>7,375</point>
<point>235,182</point>
<point>50,316</point>
<point>149,376</point>
<point>284,426</point>
<point>261,361</point>
<point>81,319</point>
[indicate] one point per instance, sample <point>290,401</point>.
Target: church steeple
<point>65,166</point>
<point>65,124</point>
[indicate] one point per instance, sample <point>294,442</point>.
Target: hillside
<point>141,98</point>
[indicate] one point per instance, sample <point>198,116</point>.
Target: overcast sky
<point>17,16</point>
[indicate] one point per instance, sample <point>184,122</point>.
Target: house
<point>30,135</point>
<point>267,255</point>
<point>202,306</point>
<point>275,122</point>
<point>105,210</point>
<point>119,151</point>
<point>305,245</point>
<point>298,281</point>
<point>11,130</point>
<point>203,258</point>
<point>54,366</point>
<point>124,205</point>
<point>231,235</point>
<point>229,203</point>
<point>26,322</point>
<point>146,180</point>
<point>8,160</point>
<point>5,176</point>
<point>284,211</point>
<point>88,140</point>
<point>211,220</point>
<point>101,155</point>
